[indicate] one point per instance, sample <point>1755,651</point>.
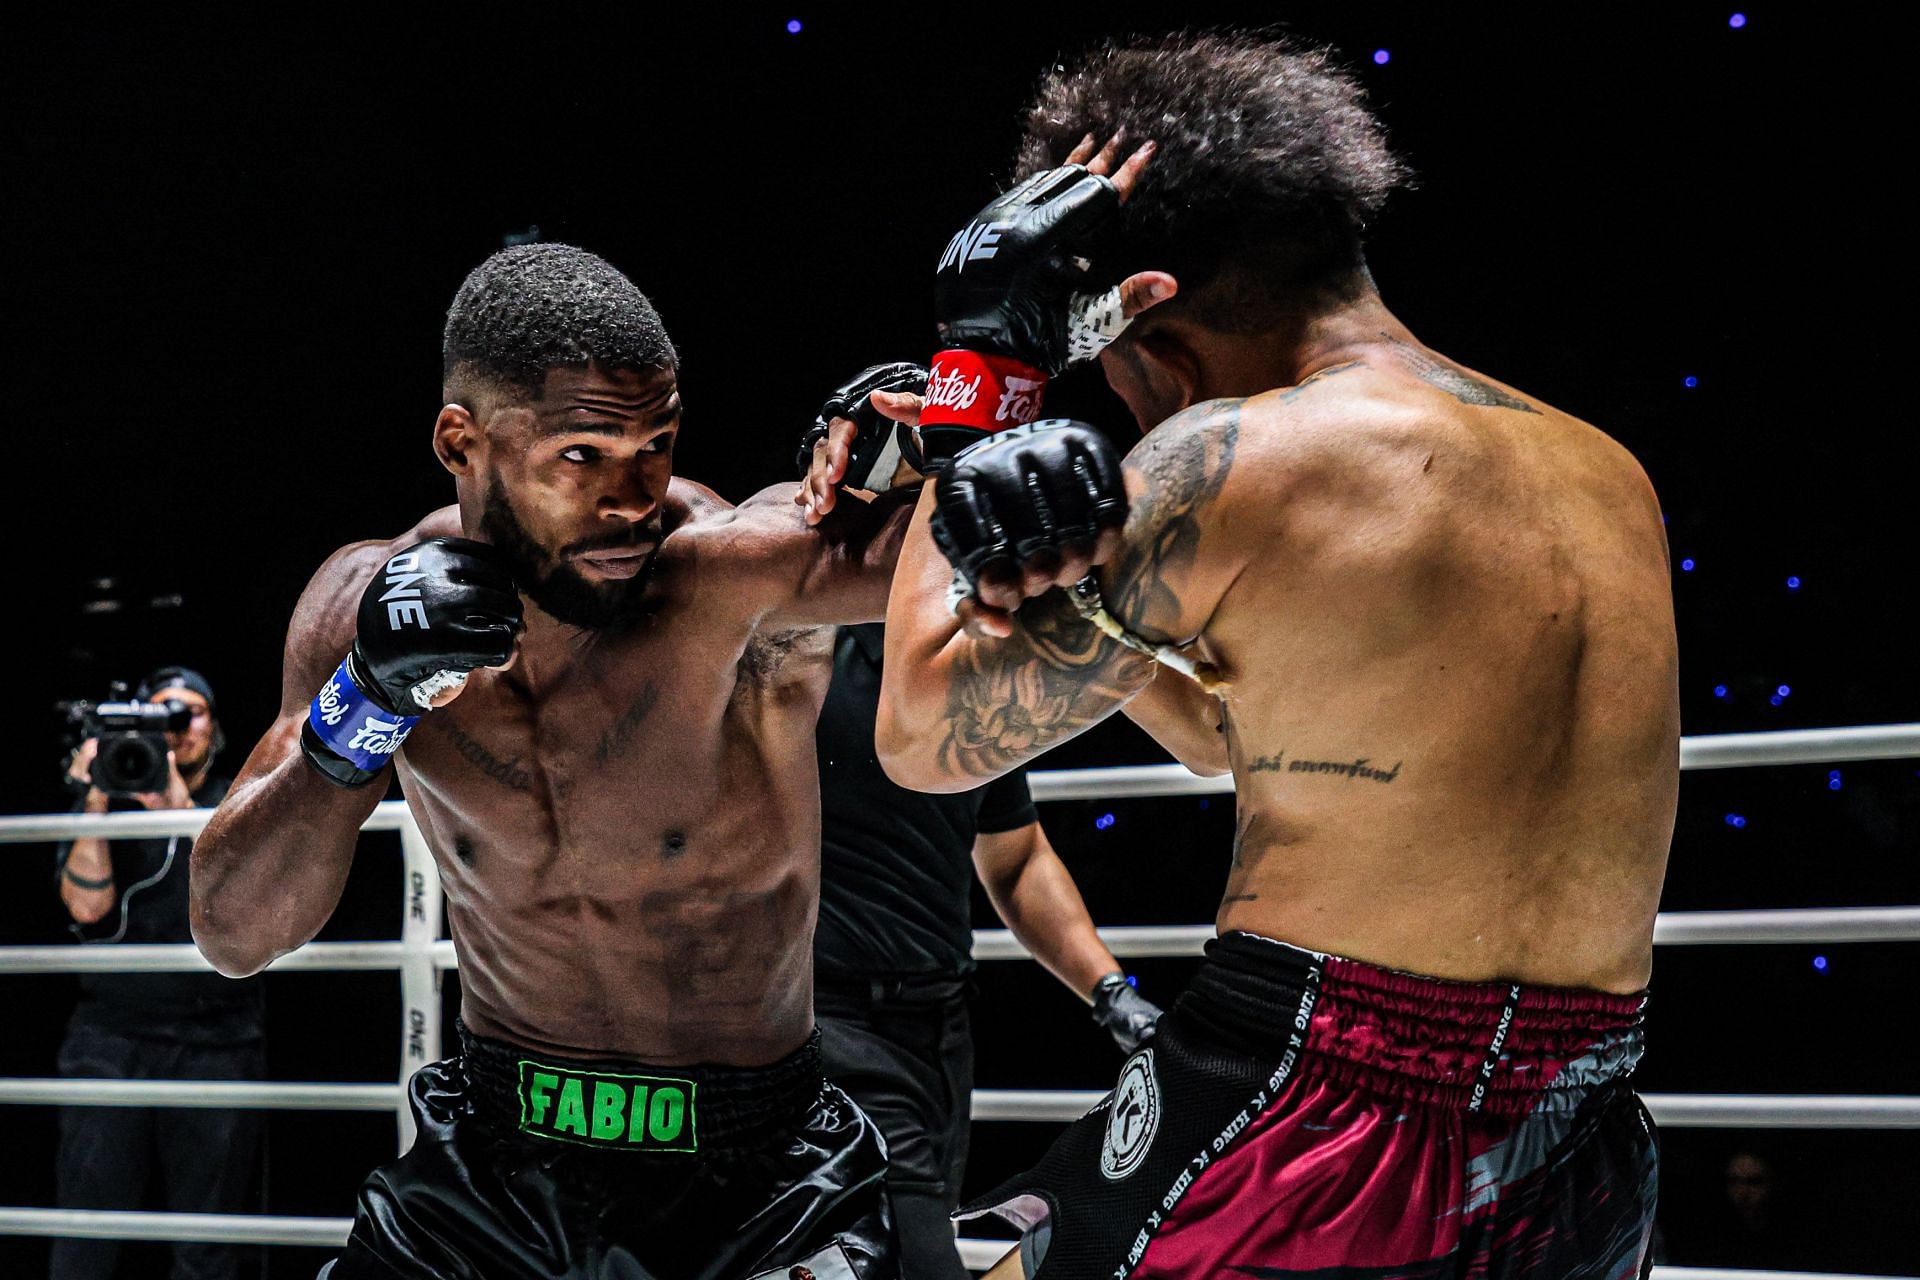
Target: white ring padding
<point>1713,751</point>
<point>238,1095</point>
<point>1675,1110</point>
<point>200,1228</point>
<point>1670,928</point>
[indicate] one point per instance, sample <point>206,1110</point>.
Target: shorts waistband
<point>1500,1047</point>
<point>621,1106</point>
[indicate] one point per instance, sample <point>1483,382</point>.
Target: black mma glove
<point>1028,492</point>
<point>1127,1015</point>
<point>1010,307</point>
<point>880,443</point>
<point>433,613</point>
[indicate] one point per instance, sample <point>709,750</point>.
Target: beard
<point>559,589</point>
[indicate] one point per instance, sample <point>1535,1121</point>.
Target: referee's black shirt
<point>896,876</point>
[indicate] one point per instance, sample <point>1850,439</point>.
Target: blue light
<point>1102,822</point>
<point>1686,566</point>
<point>1736,820</point>
<point>1776,700</point>
<point>1690,381</point>
<point>793,26</point>
<point>1833,783</point>
<point>1132,981</point>
<point>1719,691</point>
<point>1793,584</point>
<point>1381,57</point>
<point>1783,691</point>
<point>1820,963</point>
<point>1737,21</point>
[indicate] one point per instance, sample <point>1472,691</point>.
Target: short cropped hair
<point>534,307</point>
<point>1269,169</point>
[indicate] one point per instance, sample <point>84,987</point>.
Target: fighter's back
<point>1454,717</point>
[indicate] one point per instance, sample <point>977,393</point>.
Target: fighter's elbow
<point>231,954</point>
<point>911,759</point>
<point>1209,766</point>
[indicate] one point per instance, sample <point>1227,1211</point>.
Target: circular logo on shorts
<point>1132,1119</point>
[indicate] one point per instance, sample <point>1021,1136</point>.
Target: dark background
<point>231,249</point>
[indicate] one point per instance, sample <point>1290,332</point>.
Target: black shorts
<point>529,1166</point>
<point>1304,1115</point>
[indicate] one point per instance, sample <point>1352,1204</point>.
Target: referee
<point>893,956</point>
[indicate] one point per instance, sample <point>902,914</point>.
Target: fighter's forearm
<point>1042,905</point>
<point>271,864</point>
<point>1185,719</point>
<point>956,710</point>
<point>968,709</point>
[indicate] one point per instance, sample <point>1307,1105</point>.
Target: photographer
<point>155,1026</point>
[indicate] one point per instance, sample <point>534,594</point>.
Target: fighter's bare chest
<point>621,726</point>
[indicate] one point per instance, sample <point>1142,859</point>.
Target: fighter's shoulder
<point>328,606</point>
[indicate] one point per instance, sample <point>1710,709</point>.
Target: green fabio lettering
<point>667,1113</point>
<point>637,1126</point>
<point>572,1115</point>
<point>539,1094</point>
<point>609,1105</point>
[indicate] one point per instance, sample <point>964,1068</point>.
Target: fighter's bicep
<point>1175,563</point>
<point>321,630</point>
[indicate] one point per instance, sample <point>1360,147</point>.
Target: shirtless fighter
<point>617,778</point>
<point>1434,616</point>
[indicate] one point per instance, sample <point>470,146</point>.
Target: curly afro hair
<point>1269,169</point>
<point>536,306</point>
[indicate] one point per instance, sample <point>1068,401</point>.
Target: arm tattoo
<point>1009,700</point>
<point>1184,463</point>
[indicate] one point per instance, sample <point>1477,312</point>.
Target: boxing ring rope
<point>226,1228</point>
<point>421,957</point>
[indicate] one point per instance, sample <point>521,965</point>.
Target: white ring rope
<point>418,955</point>
<point>1671,928</point>
<point>1711,751</point>
<point>1674,1110</point>
<point>331,1233</point>
<point>240,1095</point>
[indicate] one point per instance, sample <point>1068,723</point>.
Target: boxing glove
<point>433,613</point>
<point>880,443</point>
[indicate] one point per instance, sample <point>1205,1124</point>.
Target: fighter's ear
<point>455,435</point>
<point>1169,364</point>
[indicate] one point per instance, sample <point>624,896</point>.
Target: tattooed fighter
<point>606,681</point>
<point>1433,619</point>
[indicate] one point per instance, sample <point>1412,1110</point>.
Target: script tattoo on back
<point>1455,381</point>
<point>1008,700</point>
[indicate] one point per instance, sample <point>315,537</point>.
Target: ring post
<point>419,976</point>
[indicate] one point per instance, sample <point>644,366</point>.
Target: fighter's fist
<point>1128,1016</point>
<point>852,444</point>
<point>1006,281</point>
<point>431,615</point>
<point>1028,506</point>
<point>436,611</point>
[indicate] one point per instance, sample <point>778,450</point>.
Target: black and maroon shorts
<point>1302,1114</point>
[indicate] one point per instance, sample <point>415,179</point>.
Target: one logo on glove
<point>331,706</point>
<point>970,244</point>
<point>401,597</point>
<point>1133,1118</point>
<point>380,737</point>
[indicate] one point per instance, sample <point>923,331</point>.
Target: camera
<point>132,757</point>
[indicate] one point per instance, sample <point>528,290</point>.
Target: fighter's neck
<point>1238,366</point>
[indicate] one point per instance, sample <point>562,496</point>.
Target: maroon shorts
<point>1298,1114</point>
